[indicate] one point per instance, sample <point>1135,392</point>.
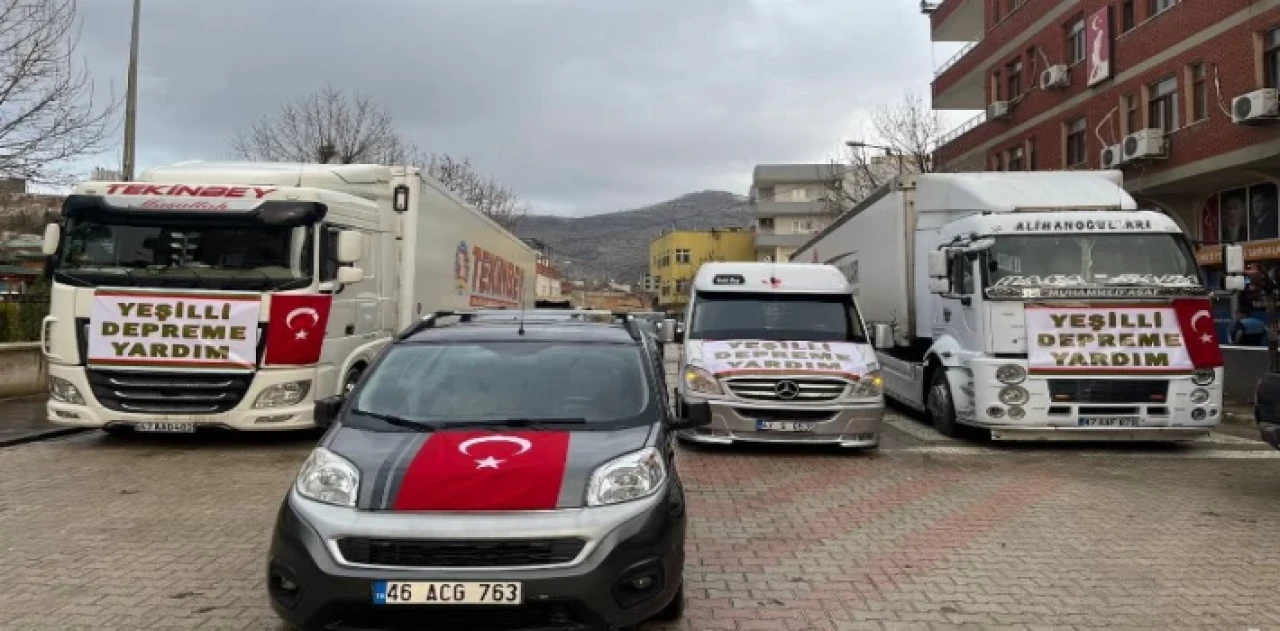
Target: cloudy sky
<point>582,106</point>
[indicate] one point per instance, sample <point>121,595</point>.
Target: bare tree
<point>326,126</point>
<point>907,131</point>
<point>48,115</point>
<point>489,196</point>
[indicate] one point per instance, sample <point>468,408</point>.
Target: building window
<point>995,162</point>
<point>1031,154</point>
<point>1159,6</point>
<point>1271,59</point>
<point>995,10</point>
<point>1075,42</point>
<point>682,286</point>
<point>1014,70</point>
<point>995,87</point>
<point>1132,122</point>
<point>1076,144</point>
<point>1128,19</point>
<point>1162,107</point>
<point>766,223</point>
<point>1199,93</point>
<point>682,256</point>
<point>1015,159</point>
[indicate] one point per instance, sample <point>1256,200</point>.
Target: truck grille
<point>1108,390</point>
<point>807,389</point>
<point>428,553</point>
<point>168,392</point>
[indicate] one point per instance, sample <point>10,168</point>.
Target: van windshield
<point>777,317</point>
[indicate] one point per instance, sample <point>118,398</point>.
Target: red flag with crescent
<point>485,471</point>
<point>295,330</point>
<point>1199,332</point>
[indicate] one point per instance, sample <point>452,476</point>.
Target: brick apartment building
<point>1063,81</point>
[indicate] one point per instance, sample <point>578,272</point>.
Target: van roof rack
<point>433,320</point>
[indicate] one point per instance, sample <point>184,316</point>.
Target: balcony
<point>957,21</point>
<point>817,207</point>
<point>765,239</point>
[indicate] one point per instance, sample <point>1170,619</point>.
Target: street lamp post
<point>857,144</point>
<point>131,98</point>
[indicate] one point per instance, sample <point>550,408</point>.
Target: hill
<point>615,246</point>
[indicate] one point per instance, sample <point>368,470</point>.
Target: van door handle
<point>946,314</point>
<point>351,329</point>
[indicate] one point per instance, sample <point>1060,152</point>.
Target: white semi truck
<point>1039,306</point>
<point>234,295</point>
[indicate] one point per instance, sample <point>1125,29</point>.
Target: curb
<point>40,435</point>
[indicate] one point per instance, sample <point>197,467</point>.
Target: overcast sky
<point>582,106</point>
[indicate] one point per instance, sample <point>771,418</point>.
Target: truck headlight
<point>282,394</point>
<point>630,477</point>
<point>869,385</point>
<point>64,391</point>
<point>328,478</point>
<point>701,381</point>
<point>1011,374</point>
<point>1204,376</point>
<point>1014,395</point>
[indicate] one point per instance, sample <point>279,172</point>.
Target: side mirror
<point>938,264</point>
<point>1232,259</point>
<point>350,246</point>
<point>52,236</point>
<point>939,285</point>
<point>349,275</point>
<point>883,335</point>
<point>668,331</point>
<point>1233,283</point>
<point>696,415</point>
<point>327,410</point>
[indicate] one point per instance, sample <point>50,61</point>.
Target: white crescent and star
<point>1195,328</point>
<point>491,462</point>
<point>300,311</point>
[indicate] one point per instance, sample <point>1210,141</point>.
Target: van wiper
<point>398,421</point>
<point>528,423</point>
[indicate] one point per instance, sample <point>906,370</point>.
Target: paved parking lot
<point>109,533</point>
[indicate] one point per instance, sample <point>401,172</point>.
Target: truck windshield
<point>1159,259</point>
<point>211,255</point>
<point>776,317</point>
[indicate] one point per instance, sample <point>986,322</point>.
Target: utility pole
<point>131,98</point>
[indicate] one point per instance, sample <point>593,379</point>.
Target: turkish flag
<point>1199,332</point>
<point>295,329</point>
<point>485,471</point>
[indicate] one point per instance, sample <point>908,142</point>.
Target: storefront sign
<point>745,357</point>
<point>1106,339</point>
<point>1253,251</point>
<point>178,330</point>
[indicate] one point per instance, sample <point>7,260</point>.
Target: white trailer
<point>1039,305</point>
<point>234,295</point>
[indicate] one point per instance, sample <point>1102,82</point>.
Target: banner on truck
<point>1122,339</point>
<point>495,281</point>
<point>174,330</point>
<point>749,357</point>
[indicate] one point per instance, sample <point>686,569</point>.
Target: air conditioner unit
<point>1112,157</point>
<point>1055,77</point>
<point>1145,144</point>
<point>998,110</point>
<point>1256,106</point>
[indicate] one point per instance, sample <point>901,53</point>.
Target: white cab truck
<point>782,355</point>
<point>1039,306</point>
<point>233,295</point>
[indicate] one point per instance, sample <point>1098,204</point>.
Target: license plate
<point>419,593</point>
<point>1108,421</point>
<point>785,426</point>
<point>166,428</point>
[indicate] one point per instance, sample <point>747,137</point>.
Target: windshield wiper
<point>398,421</point>
<point>528,423</point>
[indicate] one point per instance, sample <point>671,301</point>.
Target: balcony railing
<point>956,58</point>
<point>962,129</point>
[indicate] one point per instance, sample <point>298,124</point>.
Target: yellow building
<point>674,258</point>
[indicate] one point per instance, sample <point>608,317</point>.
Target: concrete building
<point>1178,94</point>
<point>548,291</point>
<point>790,202</point>
<point>674,258</point>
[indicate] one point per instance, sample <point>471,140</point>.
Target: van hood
<point>476,469</point>
<point>731,358</point>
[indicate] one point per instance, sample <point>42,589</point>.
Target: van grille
<point>808,389</point>
<point>434,553</point>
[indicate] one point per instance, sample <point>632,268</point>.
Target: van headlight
<point>328,478</point>
<point>627,478</point>
<point>700,381</point>
<point>868,385</point>
<point>1204,376</point>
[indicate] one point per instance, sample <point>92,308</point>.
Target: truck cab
<point>781,354</point>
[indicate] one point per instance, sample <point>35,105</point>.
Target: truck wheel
<point>353,377</point>
<point>942,410</point>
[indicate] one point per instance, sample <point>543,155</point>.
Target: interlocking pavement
<point>147,533</point>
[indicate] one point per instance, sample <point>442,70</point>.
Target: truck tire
<point>942,409</point>
<point>353,377</point>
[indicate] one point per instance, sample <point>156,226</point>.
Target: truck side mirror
<point>939,285</point>
<point>1233,283</point>
<point>52,236</point>
<point>883,333</point>
<point>1233,259</point>
<point>327,410</point>
<point>938,264</point>
<point>350,246</point>
<point>668,331</point>
<point>349,275</point>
